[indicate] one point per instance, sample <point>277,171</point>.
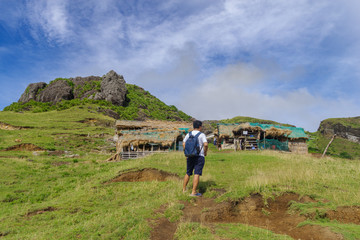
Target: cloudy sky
<point>290,61</point>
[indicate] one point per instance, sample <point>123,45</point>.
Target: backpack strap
<point>197,139</point>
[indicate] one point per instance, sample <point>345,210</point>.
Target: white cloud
<point>220,97</point>
<point>265,52</point>
<point>49,17</point>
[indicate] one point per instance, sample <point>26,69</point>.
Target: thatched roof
<point>231,130</point>
<point>277,132</point>
<point>141,137</point>
<point>151,124</point>
<point>225,130</point>
<point>246,127</point>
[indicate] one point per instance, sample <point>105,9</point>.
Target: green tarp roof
<point>295,132</point>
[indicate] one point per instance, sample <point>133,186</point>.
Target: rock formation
<point>348,128</point>
<point>55,92</point>
<point>110,87</point>
<point>31,91</point>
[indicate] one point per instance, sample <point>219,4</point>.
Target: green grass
<point>58,130</point>
<point>340,147</point>
<point>86,208</point>
<point>241,119</point>
<point>353,122</point>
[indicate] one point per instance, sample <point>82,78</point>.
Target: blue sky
<point>290,61</point>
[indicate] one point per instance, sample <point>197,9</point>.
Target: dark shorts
<point>195,164</point>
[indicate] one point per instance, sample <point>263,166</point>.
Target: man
<point>195,164</point>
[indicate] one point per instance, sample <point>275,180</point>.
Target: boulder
<point>31,91</point>
<point>55,92</point>
<point>113,88</point>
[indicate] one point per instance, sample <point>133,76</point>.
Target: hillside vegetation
<point>68,192</point>
<point>347,141</point>
<point>241,119</point>
<point>140,105</point>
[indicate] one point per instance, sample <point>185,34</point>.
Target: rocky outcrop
<point>31,91</point>
<point>110,87</point>
<point>85,87</point>
<point>348,128</point>
<point>113,89</point>
<point>55,92</point>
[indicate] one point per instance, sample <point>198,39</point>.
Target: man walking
<point>195,164</point>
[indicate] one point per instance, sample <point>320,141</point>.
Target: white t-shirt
<point>202,139</point>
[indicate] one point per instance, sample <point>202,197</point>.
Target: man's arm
<point>205,148</point>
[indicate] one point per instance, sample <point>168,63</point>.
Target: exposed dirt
<point>24,147</point>
<point>56,153</point>
<point>346,214</point>
<point>60,163</point>
<point>252,211</point>
<point>162,227</point>
<point>97,122</point>
<point>144,175</point>
<point>5,126</point>
<point>3,234</point>
<point>40,211</point>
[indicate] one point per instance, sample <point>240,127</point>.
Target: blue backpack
<point>192,147</point>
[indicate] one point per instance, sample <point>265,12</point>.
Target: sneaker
<point>195,195</point>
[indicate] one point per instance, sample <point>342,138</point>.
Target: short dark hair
<point>197,124</point>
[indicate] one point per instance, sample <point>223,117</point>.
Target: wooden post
<point>332,139</point>
<point>264,139</point>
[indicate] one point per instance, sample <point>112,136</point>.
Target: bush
<point>345,155</point>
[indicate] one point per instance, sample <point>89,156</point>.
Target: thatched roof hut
<point>153,132</point>
<point>272,130</point>
<point>165,138</point>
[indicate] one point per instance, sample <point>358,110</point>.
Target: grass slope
<point>61,197</point>
<point>340,147</point>
<point>241,119</point>
<point>353,122</point>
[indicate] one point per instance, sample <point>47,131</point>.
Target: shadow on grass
<point>203,186</point>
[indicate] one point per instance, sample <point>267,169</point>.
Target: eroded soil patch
<point>346,214</point>
<point>252,211</point>
<point>40,211</point>
<point>145,175</point>
<point>162,227</point>
<point>5,126</point>
<point>24,147</point>
<point>97,122</point>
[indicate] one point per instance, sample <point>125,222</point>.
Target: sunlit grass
<point>86,208</point>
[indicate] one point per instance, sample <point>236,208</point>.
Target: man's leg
<point>195,183</point>
<point>186,180</point>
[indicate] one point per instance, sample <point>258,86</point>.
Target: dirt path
<point>250,211</point>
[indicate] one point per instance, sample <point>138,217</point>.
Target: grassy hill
<point>341,146</point>
<point>240,119</point>
<point>140,105</point>
<point>69,191</point>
